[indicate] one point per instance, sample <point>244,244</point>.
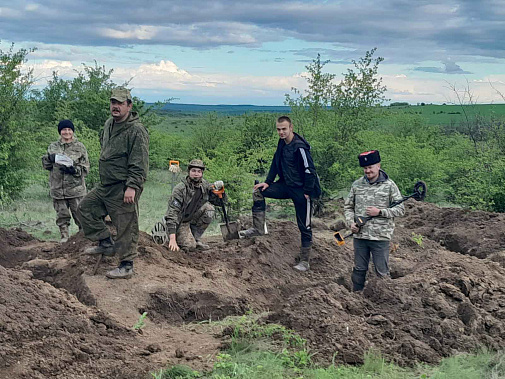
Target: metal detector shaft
<point>419,195</point>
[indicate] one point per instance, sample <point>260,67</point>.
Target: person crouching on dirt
<point>371,196</point>
<point>298,181</point>
<point>190,211</point>
<point>66,176</point>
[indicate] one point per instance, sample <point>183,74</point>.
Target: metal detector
<point>419,195</point>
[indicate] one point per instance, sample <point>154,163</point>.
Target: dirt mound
<point>11,242</point>
<point>437,303</point>
<point>476,233</point>
<point>14,237</point>
<point>46,332</point>
<point>440,303</point>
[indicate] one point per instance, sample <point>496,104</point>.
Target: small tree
<point>336,113</point>
<point>14,86</point>
<point>317,97</point>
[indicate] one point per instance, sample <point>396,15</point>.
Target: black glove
<point>68,170</point>
<point>51,157</point>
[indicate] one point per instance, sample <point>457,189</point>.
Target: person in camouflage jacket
<point>370,197</point>
<point>66,181</point>
<point>123,168</point>
<point>190,209</point>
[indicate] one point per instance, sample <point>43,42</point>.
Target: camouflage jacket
<point>63,185</point>
<point>181,198</point>
<point>379,194</point>
<point>125,152</point>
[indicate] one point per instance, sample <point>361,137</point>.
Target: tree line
<point>462,164</point>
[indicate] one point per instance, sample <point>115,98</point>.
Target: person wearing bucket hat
<point>370,197</point>
<point>68,164</point>
<point>190,210</point>
<point>123,168</point>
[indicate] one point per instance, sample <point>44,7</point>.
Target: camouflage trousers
<point>108,200</point>
<point>63,207</point>
<point>189,232</point>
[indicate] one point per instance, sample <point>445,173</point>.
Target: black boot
<point>105,247</point>
<point>197,234</point>
<point>358,279</point>
<point>304,259</point>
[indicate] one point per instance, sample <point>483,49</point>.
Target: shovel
<point>419,195</point>
<point>230,229</point>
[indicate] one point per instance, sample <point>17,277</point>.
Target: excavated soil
<point>446,295</point>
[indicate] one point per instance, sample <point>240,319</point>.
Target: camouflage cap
<point>120,94</point>
<point>196,163</point>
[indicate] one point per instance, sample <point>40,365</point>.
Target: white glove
<point>63,160</point>
<point>174,169</point>
<point>218,184</point>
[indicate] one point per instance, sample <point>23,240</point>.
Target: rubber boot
<point>259,226</point>
<point>123,271</point>
<point>358,279</point>
<point>105,247</point>
<point>304,259</point>
<point>64,233</point>
<point>197,233</point>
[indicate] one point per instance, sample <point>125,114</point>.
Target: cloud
<point>405,32</point>
<point>413,90</point>
<point>165,76</point>
<point>450,68</point>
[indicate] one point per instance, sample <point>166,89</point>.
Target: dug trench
<point>438,302</point>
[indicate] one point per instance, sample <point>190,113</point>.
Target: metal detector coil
<point>419,191</point>
<point>159,233</point>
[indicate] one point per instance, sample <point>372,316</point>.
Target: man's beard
<point>195,181</point>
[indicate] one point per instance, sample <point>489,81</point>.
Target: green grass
<point>448,114</point>
<point>261,351</point>
<point>33,211</point>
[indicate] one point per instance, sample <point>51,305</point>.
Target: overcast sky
<point>236,52</point>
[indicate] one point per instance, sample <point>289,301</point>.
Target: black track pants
<point>303,207</point>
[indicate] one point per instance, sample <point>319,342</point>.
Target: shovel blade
<point>230,231</point>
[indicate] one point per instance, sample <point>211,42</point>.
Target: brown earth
<point>441,300</point>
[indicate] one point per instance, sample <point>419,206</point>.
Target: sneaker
<point>64,239</point>
<point>124,271</point>
<point>302,266</point>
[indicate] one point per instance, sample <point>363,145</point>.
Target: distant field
<point>174,123</point>
<point>183,118</point>
<point>190,109</point>
<point>448,114</point>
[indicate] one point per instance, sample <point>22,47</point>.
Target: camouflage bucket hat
<point>197,163</point>
<point>120,94</point>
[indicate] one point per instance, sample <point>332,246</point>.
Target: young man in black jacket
<point>298,181</point>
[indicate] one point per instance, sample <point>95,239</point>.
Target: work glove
<point>51,157</point>
<point>218,184</point>
<point>68,170</point>
<point>174,169</point>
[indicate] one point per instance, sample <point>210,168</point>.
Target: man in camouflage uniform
<point>66,181</point>
<point>190,211</point>
<point>123,167</point>
<point>371,196</point>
